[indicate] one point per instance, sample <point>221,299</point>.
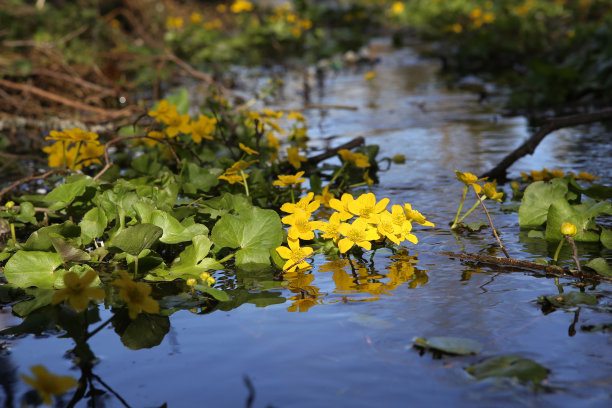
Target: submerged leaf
<point>449,345</point>
<point>509,366</point>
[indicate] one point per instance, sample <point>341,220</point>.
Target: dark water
<point>352,346</point>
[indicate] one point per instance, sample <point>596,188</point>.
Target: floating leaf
<point>218,294</point>
<point>32,268</point>
<point>134,240</point>
<point>449,345</point>
<point>509,366</point>
<point>569,299</point>
<point>600,265</point>
<point>537,200</point>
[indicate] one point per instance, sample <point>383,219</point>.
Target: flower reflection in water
<point>355,281</point>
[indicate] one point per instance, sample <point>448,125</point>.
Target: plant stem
<point>13,235</point>
<point>558,250</point>
<point>469,211</point>
<point>574,252</point>
<point>227,258</point>
<point>100,327</point>
<point>465,189</point>
<point>292,196</point>
<point>338,173</point>
<point>491,224</point>
<point>246,185</point>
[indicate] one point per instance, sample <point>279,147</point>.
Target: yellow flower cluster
<point>546,175</point>
<point>358,159</point>
<point>373,223</point>
<point>284,14</point>
<point>241,6</point>
<point>74,148</point>
<point>235,173</point>
<point>480,17</point>
<point>203,128</point>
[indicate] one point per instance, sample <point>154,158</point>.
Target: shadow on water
<point>340,334</point>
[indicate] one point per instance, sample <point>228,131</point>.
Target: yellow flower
<point>456,28</point>
<point>366,207</point>
<point>304,204</point>
<point>271,113</point>
<point>136,295</point>
<point>569,229</point>
<point>174,22</point>
<point>274,144</point>
<point>207,279</point>
<point>491,192</point>
<point>369,75</point>
<point>414,215</point>
<point>233,177</point>
<point>177,123</point>
<point>47,384</point>
<point>289,180</point>
<point>342,206</point>
<point>78,290</point>
<point>247,149</point>
<point>556,173</point>
<point>195,17</point>
<point>191,282</point>
<point>397,8</point>
<point>295,255</point>
<point>89,154</point>
<point>73,135</point>
<point>359,159</point>
<point>294,157</point>
<point>387,228</point>
<point>325,196</point>
<point>301,226</point>
<point>470,180</point>
<point>583,175</point>
<point>241,5</point>
<point>56,154</point>
<point>358,233</point>
<point>297,116</point>
<point>240,165</point>
<point>162,111</point>
<point>203,128</point>
<point>330,228</point>
<point>9,205</point>
<point>476,13</point>
<point>488,17</point>
<point>405,233</point>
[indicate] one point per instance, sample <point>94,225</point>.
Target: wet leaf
<point>569,299</point>
<point>600,265</point>
<point>509,366</point>
<point>134,240</point>
<point>449,345</point>
<point>32,268</point>
<point>537,199</point>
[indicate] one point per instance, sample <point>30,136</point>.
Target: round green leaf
<point>32,268</point>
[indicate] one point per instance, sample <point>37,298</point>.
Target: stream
<point>348,343</point>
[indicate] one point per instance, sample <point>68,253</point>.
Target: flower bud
<point>399,159</point>
<point>204,276</point>
<point>191,282</point>
<point>567,228</point>
<point>9,205</point>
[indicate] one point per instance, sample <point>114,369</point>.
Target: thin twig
<point>574,253</point>
<point>491,224</point>
<point>26,179</point>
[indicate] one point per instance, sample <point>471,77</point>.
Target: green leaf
<point>220,295</point>
<point>173,231</point>
<point>32,268</point>
<point>600,266</point>
<point>64,194</point>
<point>41,240</point>
<point>42,297</point>
<point>146,331</point>
<point>567,300</point>
<point>180,99</point>
<point>252,230</point>
<point>192,261</point>
<point>93,224</point>
<point>580,215</point>
<point>450,345</point>
<point>196,178</point>
<point>535,234</point>
<point>67,250</point>
<point>219,206</point>
<point>537,199</point>
<point>509,366</point>
<point>27,213</point>
<point>606,238</point>
<point>134,240</point>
